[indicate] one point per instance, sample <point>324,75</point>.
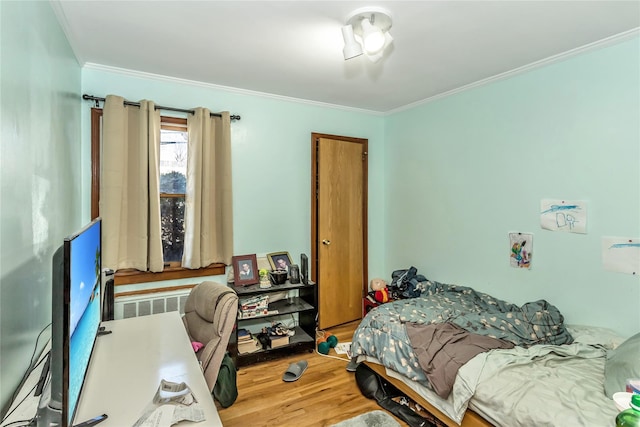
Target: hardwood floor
<point>324,395</point>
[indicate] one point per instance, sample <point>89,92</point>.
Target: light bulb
<point>375,57</point>
<point>372,37</point>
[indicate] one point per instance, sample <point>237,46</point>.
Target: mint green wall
<point>39,174</point>
<point>464,171</point>
<point>447,180</point>
<point>271,154</point>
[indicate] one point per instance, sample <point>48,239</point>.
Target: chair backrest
<point>209,317</point>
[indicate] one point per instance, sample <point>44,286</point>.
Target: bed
<point>528,367</point>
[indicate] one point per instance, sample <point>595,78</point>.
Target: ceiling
<point>294,48</point>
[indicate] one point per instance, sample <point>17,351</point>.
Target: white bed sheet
<point>545,386</point>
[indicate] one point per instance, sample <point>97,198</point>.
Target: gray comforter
<point>382,333</point>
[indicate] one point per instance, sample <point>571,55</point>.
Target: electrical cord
<point>30,369</point>
<point>332,357</point>
<point>25,396</point>
<point>17,406</point>
<point>28,423</point>
<point>293,319</point>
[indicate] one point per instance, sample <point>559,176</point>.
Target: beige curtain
<point>129,186</point>
<point>208,206</point>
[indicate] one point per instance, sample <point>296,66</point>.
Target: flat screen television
<point>76,314</point>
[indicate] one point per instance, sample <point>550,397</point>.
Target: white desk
<point>127,365</point>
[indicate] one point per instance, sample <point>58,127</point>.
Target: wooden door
<point>339,227</point>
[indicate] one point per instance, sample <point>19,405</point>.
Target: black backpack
<point>373,386</point>
<point>226,390</point>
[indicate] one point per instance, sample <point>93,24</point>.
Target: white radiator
<point>153,303</point>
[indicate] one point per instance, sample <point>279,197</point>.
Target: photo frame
<point>245,270</point>
<point>279,260</point>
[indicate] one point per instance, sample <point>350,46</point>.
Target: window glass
<point>173,184</point>
<point>173,161</point>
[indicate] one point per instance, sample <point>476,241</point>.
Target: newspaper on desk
<point>172,403</point>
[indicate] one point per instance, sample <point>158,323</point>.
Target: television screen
<point>82,276</point>
<point>76,313</point>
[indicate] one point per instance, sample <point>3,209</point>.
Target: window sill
<point>131,276</point>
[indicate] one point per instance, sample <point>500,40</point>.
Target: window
<point>173,186</point>
<point>173,170</point>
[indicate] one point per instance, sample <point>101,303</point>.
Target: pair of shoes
<point>295,371</point>
<point>281,331</point>
<point>278,330</point>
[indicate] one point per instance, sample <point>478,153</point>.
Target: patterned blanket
<point>382,333</point>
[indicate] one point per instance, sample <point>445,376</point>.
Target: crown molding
<point>618,38</point>
<point>195,83</point>
<point>66,28</point>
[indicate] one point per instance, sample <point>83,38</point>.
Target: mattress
<point>555,374</point>
<point>544,385</point>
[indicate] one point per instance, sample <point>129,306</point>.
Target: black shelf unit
<point>305,305</point>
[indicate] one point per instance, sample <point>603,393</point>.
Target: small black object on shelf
<point>294,274</point>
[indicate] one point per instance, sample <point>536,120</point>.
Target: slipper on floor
<point>352,365</point>
<point>295,371</point>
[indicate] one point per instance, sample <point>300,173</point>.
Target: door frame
<point>315,140</point>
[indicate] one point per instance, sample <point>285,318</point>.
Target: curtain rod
<point>158,107</point>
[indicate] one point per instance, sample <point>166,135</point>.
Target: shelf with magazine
<point>280,320</point>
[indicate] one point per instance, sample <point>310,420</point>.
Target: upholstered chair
<point>209,317</point>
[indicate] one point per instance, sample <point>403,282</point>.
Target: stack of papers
<point>172,403</point>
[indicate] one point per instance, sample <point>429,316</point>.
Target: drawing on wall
<point>621,254</point>
<point>521,249</point>
<point>563,215</point>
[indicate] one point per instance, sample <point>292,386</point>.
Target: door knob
<point>326,242</point>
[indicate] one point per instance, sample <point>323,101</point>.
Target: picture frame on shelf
<point>279,260</point>
<point>245,268</point>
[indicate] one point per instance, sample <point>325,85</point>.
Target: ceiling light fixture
<point>351,47</point>
<point>367,27</point>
